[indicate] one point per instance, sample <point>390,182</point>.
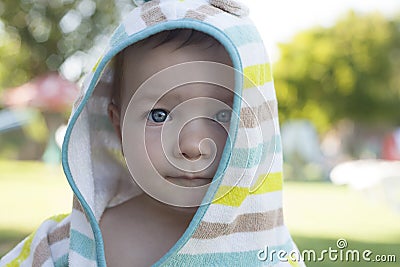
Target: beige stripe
<point>208,10</point>
<point>59,234</point>
<point>76,204</point>
<point>202,12</point>
<point>252,117</point>
<point>152,14</point>
<point>42,250</point>
<point>41,254</point>
<point>230,6</point>
<point>250,222</point>
<point>191,14</point>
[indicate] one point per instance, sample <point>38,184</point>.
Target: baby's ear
<point>113,113</point>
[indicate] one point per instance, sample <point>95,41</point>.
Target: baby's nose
<point>195,140</point>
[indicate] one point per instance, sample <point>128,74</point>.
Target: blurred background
<point>337,75</point>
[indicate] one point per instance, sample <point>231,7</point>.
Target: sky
<point>279,20</point>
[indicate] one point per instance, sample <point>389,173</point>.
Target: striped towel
<point>244,215</point>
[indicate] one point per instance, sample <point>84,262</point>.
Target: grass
<point>30,192</point>
<point>317,214</point>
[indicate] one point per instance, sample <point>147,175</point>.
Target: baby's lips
<point>190,177</point>
<point>192,181</point>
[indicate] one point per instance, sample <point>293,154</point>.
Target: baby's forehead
<point>195,90</point>
<point>154,68</point>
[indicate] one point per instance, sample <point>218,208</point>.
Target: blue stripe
<point>83,245</point>
<point>246,258</point>
<point>249,157</point>
<point>243,34</point>
<point>62,261</point>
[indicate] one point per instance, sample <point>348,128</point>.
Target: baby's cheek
<point>220,135</point>
<point>154,148</point>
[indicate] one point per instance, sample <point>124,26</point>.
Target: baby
<point>187,115</point>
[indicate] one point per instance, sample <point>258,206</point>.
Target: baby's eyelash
<point>160,115</point>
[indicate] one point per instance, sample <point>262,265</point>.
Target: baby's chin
<point>186,210</point>
<point>189,182</point>
<point>178,209</point>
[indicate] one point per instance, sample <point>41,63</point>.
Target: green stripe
<point>83,245</point>
<point>257,75</point>
<point>234,195</point>
<point>243,34</point>
<point>58,218</point>
<point>24,254</point>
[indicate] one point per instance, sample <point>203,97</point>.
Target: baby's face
<point>176,126</point>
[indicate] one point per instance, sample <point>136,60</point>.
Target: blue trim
<point>230,47</point>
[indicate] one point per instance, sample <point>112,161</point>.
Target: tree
<point>350,70</point>
<point>39,35</point>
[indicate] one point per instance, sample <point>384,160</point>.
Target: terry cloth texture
<point>245,215</point>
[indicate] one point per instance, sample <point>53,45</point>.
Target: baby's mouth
<point>188,181</point>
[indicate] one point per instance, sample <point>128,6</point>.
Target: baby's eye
<point>223,115</point>
<point>157,115</point>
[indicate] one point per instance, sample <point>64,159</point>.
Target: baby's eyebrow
<point>149,97</point>
<point>220,94</point>
<point>227,97</point>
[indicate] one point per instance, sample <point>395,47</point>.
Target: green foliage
<point>350,70</point>
<point>39,35</point>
